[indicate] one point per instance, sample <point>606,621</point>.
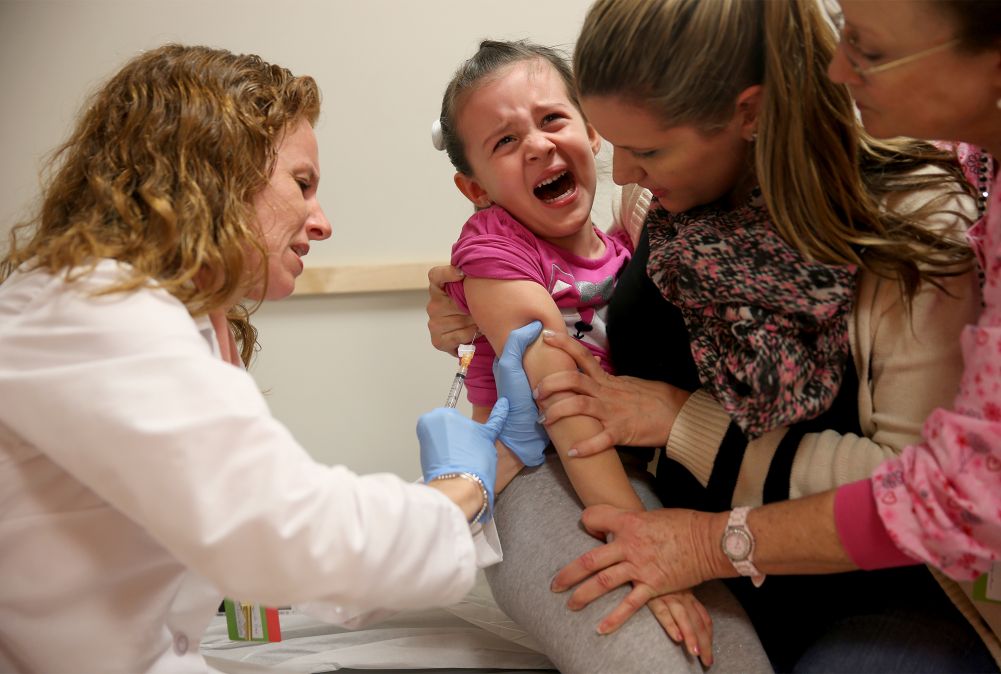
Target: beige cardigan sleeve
<point>630,204</point>
<point>909,363</point>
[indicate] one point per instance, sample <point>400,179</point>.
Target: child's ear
<point>748,107</point>
<point>592,135</point>
<point>472,189</point>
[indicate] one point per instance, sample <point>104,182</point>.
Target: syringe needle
<point>466,352</point>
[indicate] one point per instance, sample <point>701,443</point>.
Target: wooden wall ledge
<point>380,278</point>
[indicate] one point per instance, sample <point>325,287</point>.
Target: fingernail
<point>535,393</point>
<point>548,333</point>
<point>695,650</point>
<point>556,587</point>
<point>603,629</point>
<point>572,452</point>
<point>541,418</point>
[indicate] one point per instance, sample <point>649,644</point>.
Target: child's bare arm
<point>501,306</point>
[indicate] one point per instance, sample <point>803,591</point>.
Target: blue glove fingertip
<point>498,416</point>
<point>523,337</point>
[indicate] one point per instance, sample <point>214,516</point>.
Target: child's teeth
<point>552,179</point>
<point>554,199</point>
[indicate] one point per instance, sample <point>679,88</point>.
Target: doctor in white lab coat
<point>142,476</point>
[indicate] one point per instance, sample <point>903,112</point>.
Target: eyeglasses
<point>864,73</point>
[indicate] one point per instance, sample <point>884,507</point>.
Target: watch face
<point>737,545</point>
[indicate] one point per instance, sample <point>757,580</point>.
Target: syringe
<point>466,352</point>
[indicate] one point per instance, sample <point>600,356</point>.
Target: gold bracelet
<point>483,492</point>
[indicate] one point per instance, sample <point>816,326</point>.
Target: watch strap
<point>745,567</point>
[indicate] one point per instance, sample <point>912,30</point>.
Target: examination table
<point>474,635</point>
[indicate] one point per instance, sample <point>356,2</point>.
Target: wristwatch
<point>738,546</point>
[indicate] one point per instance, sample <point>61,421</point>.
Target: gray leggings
<point>538,520</point>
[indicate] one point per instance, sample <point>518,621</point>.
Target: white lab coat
<point>142,478</point>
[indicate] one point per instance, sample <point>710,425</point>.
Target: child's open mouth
<point>556,187</point>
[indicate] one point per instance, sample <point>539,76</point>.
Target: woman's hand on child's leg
<point>680,613</point>
<point>684,618</point>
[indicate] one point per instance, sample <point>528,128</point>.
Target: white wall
<point>348,374</point>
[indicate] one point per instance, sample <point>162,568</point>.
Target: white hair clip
<point>437,135</point>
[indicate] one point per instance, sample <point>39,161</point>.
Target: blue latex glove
<point>522,434</point>
<point>454,443</point>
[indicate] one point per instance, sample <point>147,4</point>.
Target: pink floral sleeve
<point>941,500</point>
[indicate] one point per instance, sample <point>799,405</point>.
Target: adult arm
<point>919,507</point>
<point>123,393</point>
<point>835,530</point>
<point>939,498</point>
<point>667,550</point>
<point>908,359</point>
